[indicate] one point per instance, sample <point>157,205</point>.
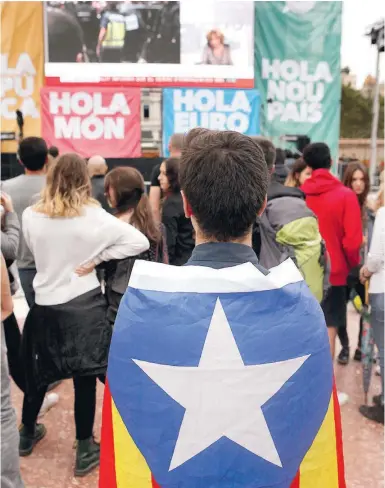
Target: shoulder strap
<point>272,252</point>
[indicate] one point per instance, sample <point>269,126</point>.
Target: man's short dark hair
<point>268,149</point>
<point>317,156</point>
<point>53,151</point>
<point>224,178</point>
<point>33,153</point>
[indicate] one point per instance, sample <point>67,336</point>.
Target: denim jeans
<point>377,321</point>
<point>26,279</point>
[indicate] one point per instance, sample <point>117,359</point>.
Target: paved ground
<point>51,464</point>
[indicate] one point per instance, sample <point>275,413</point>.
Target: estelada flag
<point>220,378</point>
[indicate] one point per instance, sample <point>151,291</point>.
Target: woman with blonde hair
<point>216,51</point>
<point>125,192</point>
<point>66,334</point>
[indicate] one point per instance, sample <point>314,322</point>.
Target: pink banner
<point>92,120</point>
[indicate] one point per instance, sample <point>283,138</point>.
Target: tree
<point>356,115</point>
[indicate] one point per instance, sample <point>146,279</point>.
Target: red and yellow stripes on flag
<point>323,465</point>
<point>122,464</point>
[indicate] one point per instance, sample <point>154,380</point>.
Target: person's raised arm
<point>352,229</point>
<point>122,240</point>
<point>102,33</point>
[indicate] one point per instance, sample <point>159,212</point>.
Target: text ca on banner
<point>22,58</point>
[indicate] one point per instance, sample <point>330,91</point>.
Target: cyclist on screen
<point>111,35</point>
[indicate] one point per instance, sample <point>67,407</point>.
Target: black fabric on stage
<point>63,341</point>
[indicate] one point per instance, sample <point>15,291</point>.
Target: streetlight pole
<point>375,111</point>
<point>376,34</point>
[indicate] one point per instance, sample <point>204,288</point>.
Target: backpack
<point>271,252</point>
<point>291,241</point>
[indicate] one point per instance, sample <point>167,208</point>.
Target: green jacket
<point>290,229</point>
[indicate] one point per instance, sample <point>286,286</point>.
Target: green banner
<point>297,63</point>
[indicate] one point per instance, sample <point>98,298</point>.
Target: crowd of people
<point>72,231</point>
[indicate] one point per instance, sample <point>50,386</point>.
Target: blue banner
<point>217,109</point>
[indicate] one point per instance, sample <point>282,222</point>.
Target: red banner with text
<point>92,120</point>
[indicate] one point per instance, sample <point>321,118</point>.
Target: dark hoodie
<point>339,217</point>
<point>277,190</point>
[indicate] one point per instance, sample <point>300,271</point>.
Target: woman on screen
<point>216,51</point>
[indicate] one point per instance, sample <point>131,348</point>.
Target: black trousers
<point>343,332</point>
<point>12,336</point>
<point>111,55</point>
<point>85,405</point>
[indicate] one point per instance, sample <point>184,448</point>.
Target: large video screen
<point>159,43</point>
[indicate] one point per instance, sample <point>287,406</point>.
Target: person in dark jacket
<point>339,217</point>
<point>97,169</point>
<point>125,189</point>
<point>180,240</point>
<point>175,147</point>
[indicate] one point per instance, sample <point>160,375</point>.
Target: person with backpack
<point>125,192</point>
<point>289,229</point>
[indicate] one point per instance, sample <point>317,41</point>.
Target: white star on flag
<point>222,396</point>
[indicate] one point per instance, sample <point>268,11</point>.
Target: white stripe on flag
<point>199,279</point>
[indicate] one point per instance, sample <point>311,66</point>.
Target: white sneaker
<point>50,401</point>
<point>343,398</point>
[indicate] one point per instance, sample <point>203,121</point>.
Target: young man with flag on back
<point>220,372</point>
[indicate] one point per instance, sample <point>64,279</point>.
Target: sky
<point>356,50</point>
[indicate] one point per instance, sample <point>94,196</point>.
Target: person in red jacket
<point>340,224</point>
